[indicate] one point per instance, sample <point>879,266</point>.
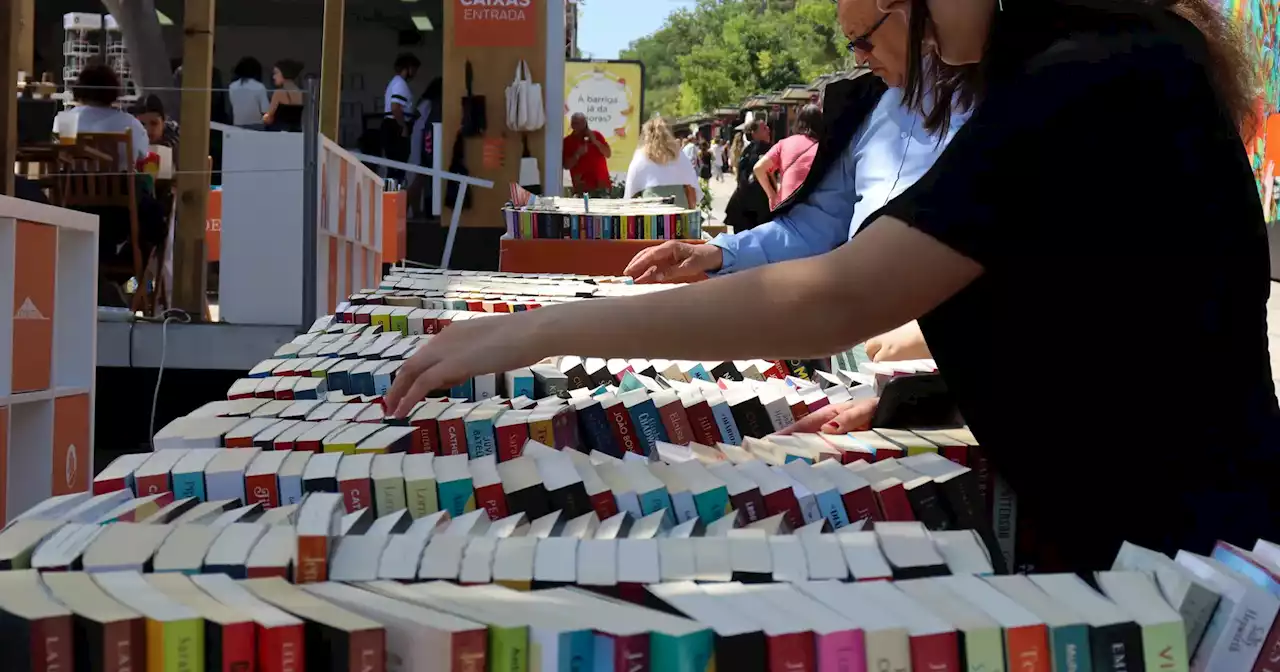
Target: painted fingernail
<point>833,425</point>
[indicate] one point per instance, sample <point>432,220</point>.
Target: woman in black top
<point>704,160</point>
<point>1087,260</point>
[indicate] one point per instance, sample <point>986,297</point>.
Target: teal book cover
<point>577,651</point>
<point>456,497</point>
<point>629,383</point>
<point>521,386</point>
<point>712,504</point>
<point>1071,651</point>
<point>797,458</point>
<point>656,500</point>
<point>480,438</point>
<point>700,372</point>
<point>462,391</point>
<point>456,304</point>
<point>189,485</point>
<point>693,652</point>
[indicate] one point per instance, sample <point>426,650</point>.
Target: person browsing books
<point>586,157</point>
<point>871,149</point>
<point>791,159</point>
<point>1012,283</point>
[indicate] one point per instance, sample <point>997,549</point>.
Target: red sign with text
<point>495,23</point>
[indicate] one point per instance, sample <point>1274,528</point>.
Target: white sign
<point>602,99</point>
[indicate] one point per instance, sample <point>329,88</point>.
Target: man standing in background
<point>586,157</point>
<point>397,120</point>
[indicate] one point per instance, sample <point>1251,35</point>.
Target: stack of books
<point>602,219</point>
<point>1149,612</point>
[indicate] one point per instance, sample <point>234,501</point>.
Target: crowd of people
<point>1032,289</point>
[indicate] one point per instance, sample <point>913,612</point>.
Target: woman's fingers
<point>853,417</point>
<point>873,347</point>
<point>814,421</point>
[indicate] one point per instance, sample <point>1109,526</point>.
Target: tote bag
<point>524,101</point>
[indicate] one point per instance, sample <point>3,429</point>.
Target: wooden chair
<point>96,183</point>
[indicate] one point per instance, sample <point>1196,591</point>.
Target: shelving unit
<point>81,43</point>
<point>48,351</point>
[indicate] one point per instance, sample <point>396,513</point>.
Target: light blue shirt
<point>888,154</point>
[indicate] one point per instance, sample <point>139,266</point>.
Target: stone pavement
<point>720,193</point>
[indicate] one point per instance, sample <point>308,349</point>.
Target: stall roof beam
<point>331,68</point>
<point>193,157</point>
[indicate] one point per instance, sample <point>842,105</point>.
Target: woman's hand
<point>842,418</point>
<point>466,349</point>
<point>905,342</point>
<point>674,261</point>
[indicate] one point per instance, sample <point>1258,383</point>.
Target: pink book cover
<point>842,651</point>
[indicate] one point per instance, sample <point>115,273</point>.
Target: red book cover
<point>794,652</point>
<point>778,370</point>
<point>109,485</point>
<point>702,424</point>
<point>818,403</point>
<point>262,488</point>
<point>363,318</point>
<point>242,395</point>
<point>511,440</point>
<point>283,395</point>
<point>884,453</point>
<point>632,592</point>
<point>267,572</point>
<point>676,422</point>
<point>266,394</point>
<point>981,466</point>
<point>430,325</point>
<point>309,446</point>
<point>367,650</point>
<point>427,438</point>
<point>132,516</point>
<point>280,649</point>
<point>238,442</point>
<point>604,504</point>
<point>51,644</point>
<point>238,650</point>
<point>564,426</point>
<point>784,501</point>
<point>475,306</point>
<point>124,645</point>
<point>751,504</point>
<point>861,504</point>
<point>799,410</point>
<point>492,499</point>
<point>957,454</point>
<point>441,323</point>
<point>624,430</point>
<point>501,307</point>
<point>311,564</point>
<point>453,437</point>
<point>470,651</point>
<point>1269,656</point>
<point>357,493</point>
<point>940,652</point>
<point>151,485</point>
<point>631,653</point>
<point>894,504</point>
<point>282,445</point>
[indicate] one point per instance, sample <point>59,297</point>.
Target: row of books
<point>651,223</point>
<point>1149,612</point>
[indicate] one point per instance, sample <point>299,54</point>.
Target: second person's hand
<point>466,349</point>
<point>674,261</point>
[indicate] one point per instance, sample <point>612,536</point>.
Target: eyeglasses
<point>863,42</point>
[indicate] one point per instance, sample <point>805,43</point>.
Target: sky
<point>606,27</point>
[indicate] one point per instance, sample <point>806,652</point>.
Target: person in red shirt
<point>586,156</point>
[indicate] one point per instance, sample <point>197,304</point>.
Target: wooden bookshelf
<point>48,331</point>
<point>583,257</point>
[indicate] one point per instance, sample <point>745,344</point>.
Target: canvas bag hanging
<point>524,101</point>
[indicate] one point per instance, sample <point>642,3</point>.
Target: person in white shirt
<point>690,151</point>
<point>397,120</point>
<point>422,144</point>
<point>717,159</point>
<point>249,101</point>
<point>659,168</point>
<point>96,91</point>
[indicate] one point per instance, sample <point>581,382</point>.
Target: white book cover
<point>555,560</point>
<point>1239,626</point>
<point>712,557</point>
<point>789,561</point>
<point>1195,600</point>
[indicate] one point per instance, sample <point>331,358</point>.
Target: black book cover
<point>918,571</point>
<point>571,500</point>
<point>961,495</point>
<point>601,376</point>
<point>16,635</point>
<point>1117,647</point>
<point>326,484</point>
<point>922,493</point>
<point>727,371</point>
<point>548,384</point>
<point>751,418</point>
<point>752,577</point>
<point>212,645</point>
<point>593,427</point>
<point>531,501</point>
<point>802,368</point>
<point>237,572</point>
<point>649,372</point>
<point>577,376</point>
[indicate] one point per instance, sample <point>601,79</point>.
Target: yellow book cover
<point>371,451</point>
<point>542,431</point>
<point>383,320</point>
<point>1164,647</point>
<point>344,448</point>
<point>421,496</point>
<point>389,495</point>
<point>175,646</point>
<point>522,586</point>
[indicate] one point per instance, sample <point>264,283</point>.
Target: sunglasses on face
<point>863,42</point>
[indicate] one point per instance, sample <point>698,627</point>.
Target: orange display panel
<point>586,257</point>
<point>71,468</point>
<point>393,225</point>
<point>342,198</point>
<point>213,227</point>
<point>34,273</point>
<point>333,273</point>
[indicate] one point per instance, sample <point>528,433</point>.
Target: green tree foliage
<point>720,51</point>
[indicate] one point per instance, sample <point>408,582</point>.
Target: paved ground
<point>720,193</point>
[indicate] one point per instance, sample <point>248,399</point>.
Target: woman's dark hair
<point>150,104</point>
<point>249,68</point>
<point>407,60</point>
<point>809,121</point>
<point>1231,69</point>
<point>289,69</point>
<point>97,84</point>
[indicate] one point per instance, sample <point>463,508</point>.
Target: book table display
<point>48,330</point>
<point>577,515</point>
<point>593,237</point>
